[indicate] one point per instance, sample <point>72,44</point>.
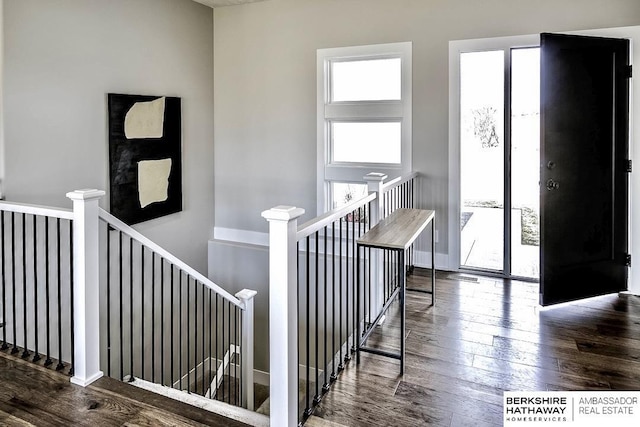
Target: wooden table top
<point>399,230</point>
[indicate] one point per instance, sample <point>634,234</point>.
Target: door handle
<point>552,185</point>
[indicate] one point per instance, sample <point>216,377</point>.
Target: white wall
<point>265,100</point>
<point>61,59</point>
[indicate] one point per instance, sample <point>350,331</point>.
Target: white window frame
<point>328,111</point>
<point>456,48</point>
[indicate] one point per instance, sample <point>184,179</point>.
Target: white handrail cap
<point>282,213</point>
<point>85,194</point>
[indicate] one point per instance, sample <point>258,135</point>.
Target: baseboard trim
<point>211,405</point>
<point>422,259</point>
<point>236,235</point>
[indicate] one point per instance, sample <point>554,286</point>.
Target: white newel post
<point>283,314</point>
<point>247,298</point>
<point>86,277</point>
<point>375,182</point>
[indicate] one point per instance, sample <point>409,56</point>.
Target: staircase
<point>86,294</point>
<point>34,395</point>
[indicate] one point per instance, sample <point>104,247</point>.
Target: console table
<point>395,233</point>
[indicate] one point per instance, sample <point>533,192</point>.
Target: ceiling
<point>219,3</point>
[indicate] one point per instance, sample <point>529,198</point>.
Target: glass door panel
<point>482,107</point>
<point>525,162</point>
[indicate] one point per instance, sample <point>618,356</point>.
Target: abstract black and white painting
<point>145,162</point>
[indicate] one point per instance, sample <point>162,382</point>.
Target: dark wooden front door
<point>584,178</point>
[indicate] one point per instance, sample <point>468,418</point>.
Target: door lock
<point>552,185</point>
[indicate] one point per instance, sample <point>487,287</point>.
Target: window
<point>364,118</point>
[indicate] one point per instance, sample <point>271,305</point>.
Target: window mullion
<point>364,111</point>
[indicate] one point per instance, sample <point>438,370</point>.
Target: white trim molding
<point>236,235</point>
<point>455,49</point>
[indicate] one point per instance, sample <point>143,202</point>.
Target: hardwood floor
<point>483,337</point>
<point>31,395</point>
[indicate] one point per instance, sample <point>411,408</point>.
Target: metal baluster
<point>217,370</point>
<point>71,316</point>
<point>316,398</point>
<point>325,386</point>
<point>180,327</point>
<point>48,360</point>
<point>355,280</point>
<point>131,310</point>
<point>120,278</point>
<point>229,347</point>
<point>396,197</point>
<point>368,227</point>
<point>210,343</point>
<point>171,348</point>
<point>108,300</point>
<point>203,338</point>
<point>235,348</point>
<point>188,332</point>
<point>370,277</point>
<point>239,357</point>
<point>142,304</point>
<point>298,314</point>
<point>36,355</point>
<point>356,333</point>
<point>340,360</point>
<point>364,288</point>
<point>60,365</point>
<point>162,320</point>
<point>403,194</point>
<point>25,351</point>
<point>308,410</point>
<point>384,277</point>
<point>153,317</point>
<point>223,351</point>
<point>333,302</point>
<point>360,268</point>
<point>347,355</point>
<point>195,336</point>
<point>4,291</point>
<point>363,269</point>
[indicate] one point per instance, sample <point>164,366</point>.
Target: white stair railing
<point>32,236</point>
<point>197,349</point>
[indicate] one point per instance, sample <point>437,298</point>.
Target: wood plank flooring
<point>485,336</point>
<point>31,395</point>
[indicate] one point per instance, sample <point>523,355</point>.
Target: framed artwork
<point>145,161</point>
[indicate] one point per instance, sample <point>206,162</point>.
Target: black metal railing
<point>337,297</point>
<point>164,325</point>
<point>326,295</point>
<point>397,194</point>
<point>36,268</point>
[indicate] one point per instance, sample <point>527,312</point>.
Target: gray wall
<point>265,85</point>
<point>236,267</point>
<point>61,59</point>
